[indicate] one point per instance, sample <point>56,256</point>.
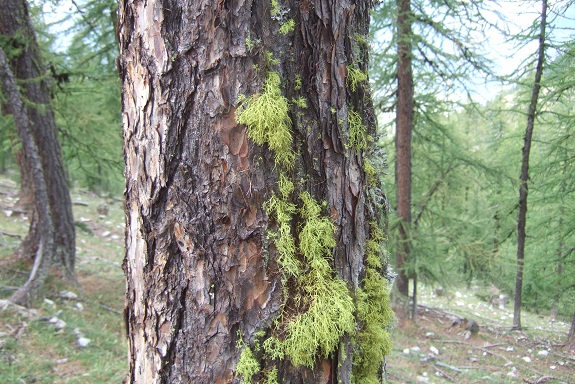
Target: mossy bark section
<point>199,265</point>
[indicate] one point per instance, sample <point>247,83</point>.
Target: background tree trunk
<point>524,179</point>
<point>571,335</point>
<point>404,126</point>
<point>45,229</point>
<point>203,272</point>
<point>26,63</point>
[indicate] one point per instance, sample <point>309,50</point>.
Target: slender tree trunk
<point>218,262</point>
<point>404,126</point>
<point>571,335</point>
<point>46,230</point>
<point>524,179</point>
<point>560,239</point>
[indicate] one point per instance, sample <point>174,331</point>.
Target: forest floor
<point>434,350</point>
<point>74,333</point>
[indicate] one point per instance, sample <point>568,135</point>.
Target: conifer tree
<point>53,245</point>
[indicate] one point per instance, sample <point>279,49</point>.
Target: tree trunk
<point>46,232</point>
<point>25,60</point>
<point>249,218</point>
<point>571,335</point>
<point>404,125</point>
<point>523,187</point>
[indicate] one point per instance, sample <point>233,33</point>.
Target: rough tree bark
<point>208,287</point>
<point>26,63</point>
<point>524,178</point>
<point>404,126</point>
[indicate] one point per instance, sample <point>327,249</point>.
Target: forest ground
<point>75,333</point>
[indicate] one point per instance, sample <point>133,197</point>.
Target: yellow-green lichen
<point>300,102</point>
<point>271,61</point>
<point>287,27</point>
<point>249,44</point>
<point>318,331</point>
<point>271,376</point>
<point>283,210</point>
<point>330,308</point>
<point>370,171</point>
<point>374,313</point>
<point>275,7</point>
<point>247,366</point>
<point>316,238</point>
<point>298,83</point>
<point>357,131</point>
<point>267,119</point>
<point>361,39</point>
<point>354,77</point>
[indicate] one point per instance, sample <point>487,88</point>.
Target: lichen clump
<point>374,313</point>
<point>283,210</point>
<point>370,171</point>
<point>357,131</point>
<point>330,308</point>
<point>355,76</point>
<point>247,366</point>
<point>267,119</point>
<point>287,27</point>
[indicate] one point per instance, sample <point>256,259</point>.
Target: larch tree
<point>25,62</point>
<point>425,69</point>
<point>404,128</point>
<point>254,247</point>
<point>524,177</point>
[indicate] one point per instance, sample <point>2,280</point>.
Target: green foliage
<point>14,45</point>
<point>355,76</point>
<point>357,131</point>
<point>268,122</point>
<point>247,366</point>
<point>86,94</point>
<point>287,27</point>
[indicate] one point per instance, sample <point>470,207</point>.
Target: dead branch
<point>541,380</point>
<point>10,235</point>
<point>456,369</point>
